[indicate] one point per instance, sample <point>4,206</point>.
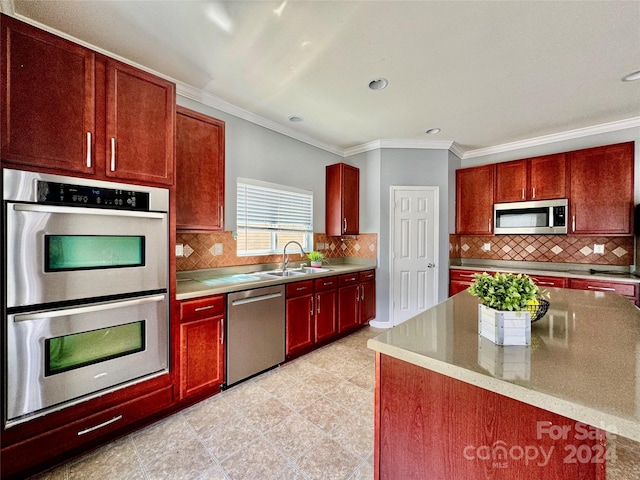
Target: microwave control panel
<point>53,193</point>
<point>559,217</point>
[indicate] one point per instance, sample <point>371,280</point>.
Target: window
<point>271,215</point>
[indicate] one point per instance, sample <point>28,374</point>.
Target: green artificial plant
<point>504,291</point>
<point>315,256</point>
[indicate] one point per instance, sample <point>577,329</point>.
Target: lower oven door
<point>56,358</point>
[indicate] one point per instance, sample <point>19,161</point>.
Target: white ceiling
<point>485,72</point>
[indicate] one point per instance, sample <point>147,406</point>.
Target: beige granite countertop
<point>584,361</point>
<point>233,279</point>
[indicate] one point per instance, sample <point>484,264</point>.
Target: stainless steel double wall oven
<point>85,267</point>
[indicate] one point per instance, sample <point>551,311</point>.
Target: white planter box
<point>504,328</point>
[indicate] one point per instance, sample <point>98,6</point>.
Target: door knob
<point>431,265</point>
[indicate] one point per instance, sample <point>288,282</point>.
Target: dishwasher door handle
<point>244,301</point>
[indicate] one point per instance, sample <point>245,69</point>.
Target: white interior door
<point>414,250</point>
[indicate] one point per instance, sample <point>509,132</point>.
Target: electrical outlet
<point>486,247</point>
<point>598,248</point>
<point>217,249</point>
<point>179,250</point>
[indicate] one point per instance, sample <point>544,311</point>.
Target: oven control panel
<point>53,193</point>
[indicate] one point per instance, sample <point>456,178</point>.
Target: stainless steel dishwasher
<point>255,332</point>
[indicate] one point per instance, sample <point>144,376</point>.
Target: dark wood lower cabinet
<point>41,443</point>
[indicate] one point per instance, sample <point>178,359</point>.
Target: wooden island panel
<point>431,426</point>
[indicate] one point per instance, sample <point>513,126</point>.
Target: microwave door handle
<point>23,207</point>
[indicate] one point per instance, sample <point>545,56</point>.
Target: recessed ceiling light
<point>631,77</point>
<point>296,118</point>
<point>378,83</point>
<point>433,131</point>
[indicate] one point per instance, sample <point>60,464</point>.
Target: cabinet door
<point>347,308</point>
<point>457,286</point>
<point>300,327</point>
<point>326,315</point>
<point>511,181</point>
<point>342,200</point>
<point>629,290</point>
<point>548,281</point>
<point>199,171</point>
<point>474,200</point>
<point>201,355</point>
<point>48,100</point>
<point>367,302</point>
<point>601,200</point>
<point>547,177</point>
<point>140,112</point>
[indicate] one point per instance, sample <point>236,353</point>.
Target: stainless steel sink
<point>294,272</point>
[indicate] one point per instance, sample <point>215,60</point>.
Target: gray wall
<point>404,167</point>
<point>253,151</point>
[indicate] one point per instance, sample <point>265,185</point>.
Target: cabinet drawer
<point>463,275</point>
<point>546,281</point>
<point>627,289</point>
<point>367,276</point>
<point>348,279</point>
<point>327,283</point>
<point>83,434</point>
<point>299,288</point>
<point>202,308</point>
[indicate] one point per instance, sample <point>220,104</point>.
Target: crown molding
<point>213,101</point>
<point>410,144</point>
<point>555,137</point>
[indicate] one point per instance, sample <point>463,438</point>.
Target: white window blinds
<point>269,215</point>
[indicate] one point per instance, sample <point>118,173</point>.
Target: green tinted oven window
<point>81,349</point>
<point>85,252</point>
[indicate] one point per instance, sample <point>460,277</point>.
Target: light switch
<point>598,248</point>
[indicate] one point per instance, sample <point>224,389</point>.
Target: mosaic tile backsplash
<point>215,250</point>
<point>544,248</point>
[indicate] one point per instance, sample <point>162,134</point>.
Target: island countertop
<point>584,361</point>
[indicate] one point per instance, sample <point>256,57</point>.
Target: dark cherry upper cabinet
<point>601,201</point>
<point>474,200</point>
<point>540,178</point>
<point>342,197</point>
<point>66,109</point>
<point>547,177</point>
<point>47,100</point>
<point>200,158</point>
<point>140,113</point>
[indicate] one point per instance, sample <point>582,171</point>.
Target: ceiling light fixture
<point>631,77</point>
<point>296,118</point>
<point>433,131</point>
<point>378,84</point>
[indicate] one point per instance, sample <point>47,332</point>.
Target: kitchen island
<point>450,404</point>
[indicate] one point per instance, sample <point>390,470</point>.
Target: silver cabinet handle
<point>318,304</point>
<point>222,217</point>
<point>88,149</point>
<point>489,225</point>
<point>101,425</point>
<point>606,289</point>
<point>311,312</point>
<point>199,309</point>
<point>466,275</point>
<point>543,283</point>
<point>222,331</point>
<point>113,154</point>
<point>533,193</point>
<point>523,193</point>
<point>573,223</point>
<point>344,228</point>
<point>358,293</point>
<point>362,293</point>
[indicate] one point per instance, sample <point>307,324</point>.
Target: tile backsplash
<point>618,251</point>
<point>215,250</point>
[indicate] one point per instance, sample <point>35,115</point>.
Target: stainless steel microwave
<point>539,217</point>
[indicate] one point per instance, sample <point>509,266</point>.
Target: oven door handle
<point>25,207</point>
<point>87,309</point>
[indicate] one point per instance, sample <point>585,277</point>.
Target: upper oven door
<point>70,253</point>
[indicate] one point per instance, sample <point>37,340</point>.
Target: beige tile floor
<point>311,418</point>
